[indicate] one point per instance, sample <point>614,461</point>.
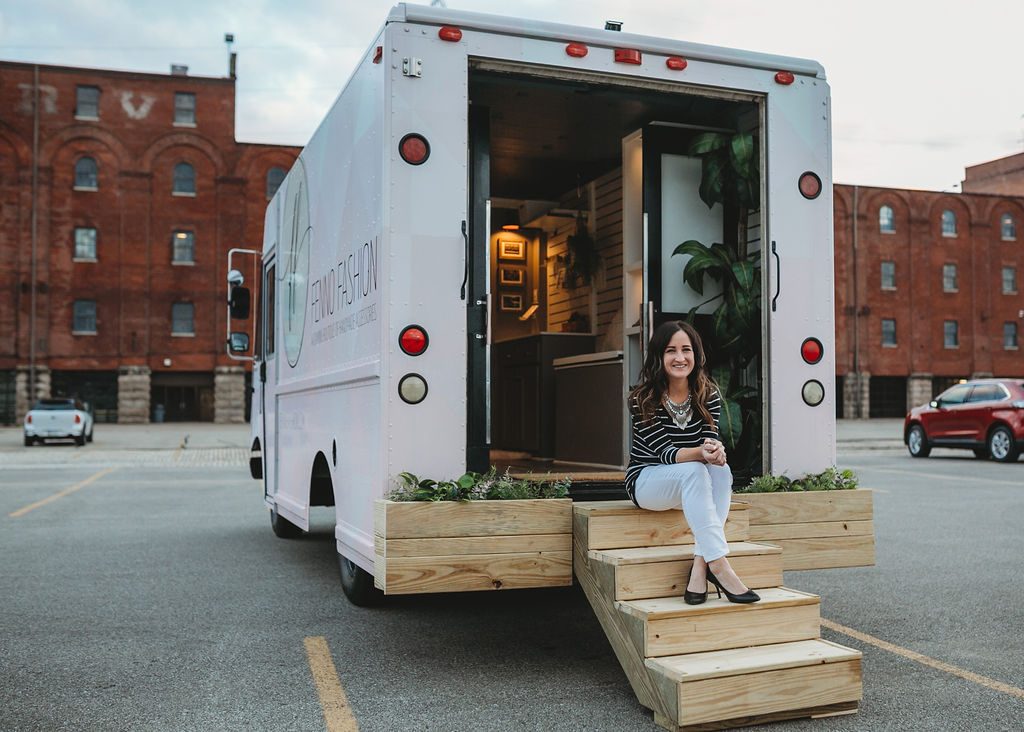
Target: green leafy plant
<point>730,177</point>
<point>582,258</point>
<point>830,479</point>
<point>489,486</point>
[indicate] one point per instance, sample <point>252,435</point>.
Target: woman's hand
<point>713,452</point>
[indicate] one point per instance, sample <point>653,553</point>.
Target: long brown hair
<point>646,397</point>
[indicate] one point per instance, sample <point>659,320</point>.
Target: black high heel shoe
<point>694,598</point>
<point>746,597</point>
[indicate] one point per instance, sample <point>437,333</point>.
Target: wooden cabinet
<point>523,390</point>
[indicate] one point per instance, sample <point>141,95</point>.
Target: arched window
<point>948,223</point>
<point>184,179</point>
<point>275,176</point>
<point>86,174</point>
<point>886,220</point>
<point>1007,228</point>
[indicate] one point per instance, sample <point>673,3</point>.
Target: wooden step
<point>668,626</point>
<point>620,525</point>
<point>646,572</point>
<point>759,684</point>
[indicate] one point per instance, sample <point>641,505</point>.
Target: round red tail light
<point>414,149</point>
<point>676,63</point>
<point>450,33</point>
<point>785,78</point>
<point>812,350</point>
<point>577,50</point>
<point>810,185</point>
<point>413,341</point>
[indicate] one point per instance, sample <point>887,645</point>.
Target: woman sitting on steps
<point>677,460</point>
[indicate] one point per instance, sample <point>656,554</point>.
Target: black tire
<point>1001,445</point>
<point>283,528</point>
<point>89,438</point>
<point>357,584</point>
<point>981,453</point>
<point>80,440</point>
<point>29,442</point>
<point>917,442</point>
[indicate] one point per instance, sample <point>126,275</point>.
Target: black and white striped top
<point>657,440</point>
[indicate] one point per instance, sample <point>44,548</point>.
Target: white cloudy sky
<point>920,88</point>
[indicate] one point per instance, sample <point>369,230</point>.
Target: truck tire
<point>283,528</point>
<point>357,584</point>
<point>1001,445</point>
<point>917,442</point>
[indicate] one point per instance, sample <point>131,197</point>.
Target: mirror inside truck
<point>238,303</point>
<point>239,342</point>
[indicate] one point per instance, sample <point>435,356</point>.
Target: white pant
<point>703,492</point>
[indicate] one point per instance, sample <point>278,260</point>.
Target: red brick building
<point>129,188</point>
<point>928,291</point>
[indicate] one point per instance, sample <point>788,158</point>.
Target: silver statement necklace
<point>680,413</point>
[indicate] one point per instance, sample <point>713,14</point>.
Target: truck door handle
<point>778,276</point>
<point>465,274</point>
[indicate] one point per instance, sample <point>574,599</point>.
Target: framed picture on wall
<point>511,249</point>
<point>511,276</point>
<point>511,303</point>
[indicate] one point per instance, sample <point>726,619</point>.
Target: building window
<point>888,275</point>
<point>183,319</point>
<point>886,220</point>
<point>184,108</point>
<point>949,278</point>
<point>85,243</point>
<point>948,223</point>
<point>1009,280</point>
<point>1010,336</point>
<point>275,176</point>
<point>183,243</point>
<point>184,180</point>
<point>1007,228</point>
<point>84,317</point>
<point>888,332</point>
<point>950,334</point>
<point>87,102</point>
<point>87,175</point>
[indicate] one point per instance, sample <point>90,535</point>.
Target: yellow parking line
<point>926,660</point>
<point>333,702</point>
<point>61,494</point>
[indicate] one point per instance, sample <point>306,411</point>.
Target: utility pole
<point>35,219</point>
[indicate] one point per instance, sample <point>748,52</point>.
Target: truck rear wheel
<point>357,584</point>
<point>283,528</point>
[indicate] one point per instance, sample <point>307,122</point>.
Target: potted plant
<point>478,532</point>
<point>820,520</point>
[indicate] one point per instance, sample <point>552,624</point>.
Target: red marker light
<point>378,54</point>
<point>413,341</point>
<point>785,78</point>
<point>628,56</point>
<point>450,33</point>
<point>414,149</point>
<point>577,50</point>
<point>812,350</point>
<point>810,185</point>
<point>676,63</point>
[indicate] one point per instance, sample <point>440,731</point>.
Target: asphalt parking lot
<point>144,590</point>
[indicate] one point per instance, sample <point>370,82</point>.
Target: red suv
<point>986,416</point>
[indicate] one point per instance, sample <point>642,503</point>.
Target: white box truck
<point>429,219</point>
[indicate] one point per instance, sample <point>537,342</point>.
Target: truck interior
<point>565,259</point>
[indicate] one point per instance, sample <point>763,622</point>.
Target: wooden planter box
<point>816,529</point>
<point>472,545</point>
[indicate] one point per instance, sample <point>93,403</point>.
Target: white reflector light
<point>413,389</point>
<point>813,393</point>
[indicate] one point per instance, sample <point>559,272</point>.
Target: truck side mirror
<point>238,303</point>
<point>238,342</point>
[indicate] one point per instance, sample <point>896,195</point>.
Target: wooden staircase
<point>716,665</point>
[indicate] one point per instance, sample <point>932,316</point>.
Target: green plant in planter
<point>830,479</point>
<point>582,258</point>
<point>489,486</point>
<point>730,177</point>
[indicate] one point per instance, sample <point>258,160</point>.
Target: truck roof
<point>404,12</point>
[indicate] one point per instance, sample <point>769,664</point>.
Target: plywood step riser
<point>827,552</point>
<point>668,579</point>
<point>654,528</point>
<point>712,700</point>
<point>673,636</point>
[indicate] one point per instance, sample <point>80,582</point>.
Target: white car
<point>52,419</point>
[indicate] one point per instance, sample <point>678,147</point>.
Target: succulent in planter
<point>489,486</point>
<point>830,479</point>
